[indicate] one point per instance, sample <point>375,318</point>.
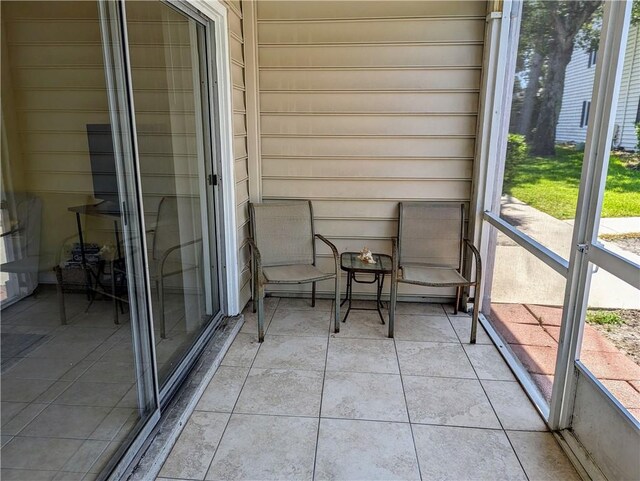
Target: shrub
<point>517,149</point>
<point>604,317</point>
<point>638,136</point>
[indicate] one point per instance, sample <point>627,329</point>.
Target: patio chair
<point>283,251</point>
<point>169,250</point>
<point>430,251</point>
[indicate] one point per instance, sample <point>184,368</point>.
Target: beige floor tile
<point>362,325</point>
<point>488,362</point>
<point>372,396</point>
<point>68,421</point>
<point>462,326</point>
<point>194,449</point>
<point>112,426</point>
<point>304,304</point>
<point>285,352</point>
<point>34,368</point>
<point>38,453</point>
<point>222,392</point>
<point>514,409</point>
<point>110,372</point>
<point>424,328</point>
<point>448,401</point>
<point>454,453</point>
<point>93,394</point>
<point>433,359</point>
<point>281,391</point>
<point>8,410</point>
<point>365,450</point>
<point>242,351</point>
<point>542,457</point>
<point>27,475</point>
<point>266,448</point>
<point>23,390</point>
<point>52,393</point>
<point>299,323</point>
<point>250,325</point>
<point>23,418</point>
<point>362,355</point>
<point>419,309</point>
<point>84,458</point>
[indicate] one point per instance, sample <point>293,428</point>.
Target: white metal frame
<point>494,118</point>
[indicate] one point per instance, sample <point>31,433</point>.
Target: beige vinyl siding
<point>241,172</point>
<point>364,104</point>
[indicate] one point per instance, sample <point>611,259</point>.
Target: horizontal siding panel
<point>242,191</point>
<point>349,167</point>
<point>239,147</point>
<point>238,100</point>
<point>368,125</point>
<point>56,55</point>
<point>356,228</point>
<point>369,102</point>
<point>369,79</point>
<point>48,10</point>
<point>368,147</point>
<point>60,78</point>
<point>237,75</point>
<point>239,124</point>
<point>373,31</point>
<point>370,55</point>
<point>274,10</point>
<point>242,214</point>
<point>235,49</point>
<point>235,24</point>
<point>240,170</point>
<point>370,189</point>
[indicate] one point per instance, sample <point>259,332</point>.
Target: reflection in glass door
<point>167,54</point>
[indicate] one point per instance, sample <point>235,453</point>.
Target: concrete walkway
<point>519,277</point>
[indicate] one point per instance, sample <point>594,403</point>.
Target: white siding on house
<point>578,87</point>
<point>629,94</point>
<point>364,104</point>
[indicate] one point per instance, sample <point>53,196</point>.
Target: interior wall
<point>364,104</point>
<point>57,78</point>
<point>236,51</point>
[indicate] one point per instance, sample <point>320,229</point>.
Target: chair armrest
<point>334,250</point>
<point>255,252</point>
<point>168,252</point>
<point>476,255</point>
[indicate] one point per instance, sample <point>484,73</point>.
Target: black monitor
<point>103,162</point>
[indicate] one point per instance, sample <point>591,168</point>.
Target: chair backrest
<point>431,233</point>
<point>178,221</point>
<point>283,232</point>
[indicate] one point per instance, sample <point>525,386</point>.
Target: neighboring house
<point>578,87</point>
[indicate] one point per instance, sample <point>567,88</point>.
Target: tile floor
<point>68,391</point>
<point>311,404</point>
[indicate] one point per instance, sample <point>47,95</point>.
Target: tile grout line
<point>404,394</point>
<point>215,451</point>
<point>503,430</point>
<point>324,377</point>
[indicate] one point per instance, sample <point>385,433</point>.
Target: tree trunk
<point>544,137</point>
<point>530,96</point>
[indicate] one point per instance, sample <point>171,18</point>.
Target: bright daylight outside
<point>555,71</point>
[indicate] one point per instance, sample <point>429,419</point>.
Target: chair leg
<point>260,302</point>
<point>392,306</point>
<point>336,303</point>
<point>313,294</point>
<point>458,293</point>
<point>163,328</point>
<point>254,287</point>
<point>474,319</point>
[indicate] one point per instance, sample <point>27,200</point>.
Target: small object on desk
<point>366,256</point>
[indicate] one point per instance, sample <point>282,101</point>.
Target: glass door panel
<point>170,95</point>
<point>555,73</point>
<point>76,371</point>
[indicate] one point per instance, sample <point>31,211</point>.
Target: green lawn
<point>550,184</point>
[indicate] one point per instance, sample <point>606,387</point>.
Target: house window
<point>592,58</point>
<point>584,116</point>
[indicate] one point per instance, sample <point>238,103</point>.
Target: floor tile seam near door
<point>324,377</point>
<point>215,451</point>
<point>495,412</point>
<point>406,404</point>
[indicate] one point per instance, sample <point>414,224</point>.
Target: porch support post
<point>254,152</point>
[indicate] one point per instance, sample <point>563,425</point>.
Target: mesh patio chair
<point>283,251</point>
<point>430,251</point>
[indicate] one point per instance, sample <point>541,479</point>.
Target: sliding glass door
<point>170,85</point>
